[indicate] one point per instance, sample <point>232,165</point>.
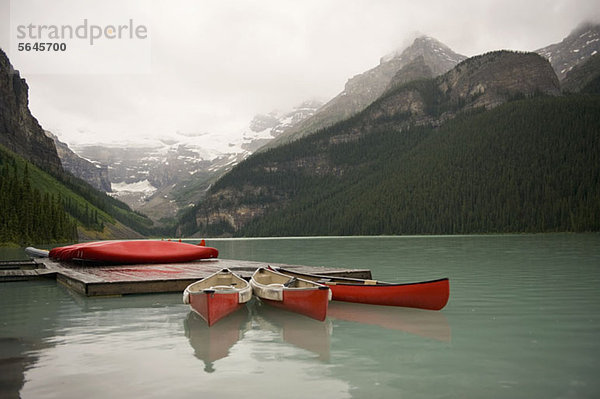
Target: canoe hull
<point>131,252</point>
<point>432,295</point>
<point>217,295</point>
<point>290,293</point>
<point>213,306</point>
<point>311,303</point>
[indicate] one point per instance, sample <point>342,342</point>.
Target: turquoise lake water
<point>523,321</point>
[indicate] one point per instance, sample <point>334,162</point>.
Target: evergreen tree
<point>530,165</point>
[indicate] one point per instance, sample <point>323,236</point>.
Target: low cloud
<point>214,64</point>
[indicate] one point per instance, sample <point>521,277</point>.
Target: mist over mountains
<point>424,85</point>
<point>575,49</point>
<point>166,170</point>
<point>41,201</point>
<point>433,57</point>
<point>324,183</point>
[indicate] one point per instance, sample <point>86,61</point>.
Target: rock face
<point>584,77</point>
<point>493,78</point>
<point>94,173</point>
<point>265,128</point>
<point>484,81</point>
<point>575,49</point>
<point>162,177</point>
<point>263,122</point>
<point>426,55</point>
<point>436,55</point>
<point>415,70</point>
<point>19,130</point>
<point>149,179</point>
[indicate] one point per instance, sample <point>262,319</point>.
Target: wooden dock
<point>144,279</point>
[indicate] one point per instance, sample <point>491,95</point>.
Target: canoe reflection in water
<point>424,323</point>
<point>214,343</point>
<point>302,332</point>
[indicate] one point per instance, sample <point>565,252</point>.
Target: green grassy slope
<point>95,214</point>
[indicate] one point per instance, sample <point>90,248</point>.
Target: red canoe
<point>432,295</point>
<point>291,293</point>
<point>217,295</point>
<point>140,251</point>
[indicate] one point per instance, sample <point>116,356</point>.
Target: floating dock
<point>103,280</point>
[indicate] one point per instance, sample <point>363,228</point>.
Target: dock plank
<point>17,265</point>
<point>103,280</point>
<point>25,275</point>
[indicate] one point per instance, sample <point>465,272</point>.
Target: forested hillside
<point>41,202</point>
<point>530,165</point>
<point>27,214</point>
<point>37,207</point>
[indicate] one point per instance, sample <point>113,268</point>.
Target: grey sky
<point>214,64</point>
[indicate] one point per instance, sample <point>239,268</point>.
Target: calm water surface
<point>522,322</point>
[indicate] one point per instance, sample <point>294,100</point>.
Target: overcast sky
<point>214,64</point>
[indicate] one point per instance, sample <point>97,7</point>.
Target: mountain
<point>94,173</point>
<point>434,57</point>
<point>266,127</point>
<point>20,132</point>
<point>38,207</point>
<point>482,81</point>
<point>162,177</point>
<point>575,49</point>
<point>144,176</point>
<point>415,70</point>
<point>528,165</point>
<point>27,215</point>
<point>334,162</point>
<point>40,202</point>
<point>584,77</point>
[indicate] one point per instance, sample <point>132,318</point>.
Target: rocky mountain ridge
<point>92,172</point>
<point>362,89</point>
<point>266,127</point>
<point>170,174</point>
<point>584,77</point>
<point>58,205</point>
<point>484,81</point>
<point>573,50</point>
<point>182,171</point>
<point>20,132</point>
<point>481,82</point>
<point>136,174</point>
<point>415,70</point>
<point>176,174</point>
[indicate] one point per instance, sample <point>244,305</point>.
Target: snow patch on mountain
<point>265,127</point>
<point>576,48</point>
<point>153,169</point>
<point>142,186</point>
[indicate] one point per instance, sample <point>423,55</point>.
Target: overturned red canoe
<point>137,251</point>
<point>432,295</point>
